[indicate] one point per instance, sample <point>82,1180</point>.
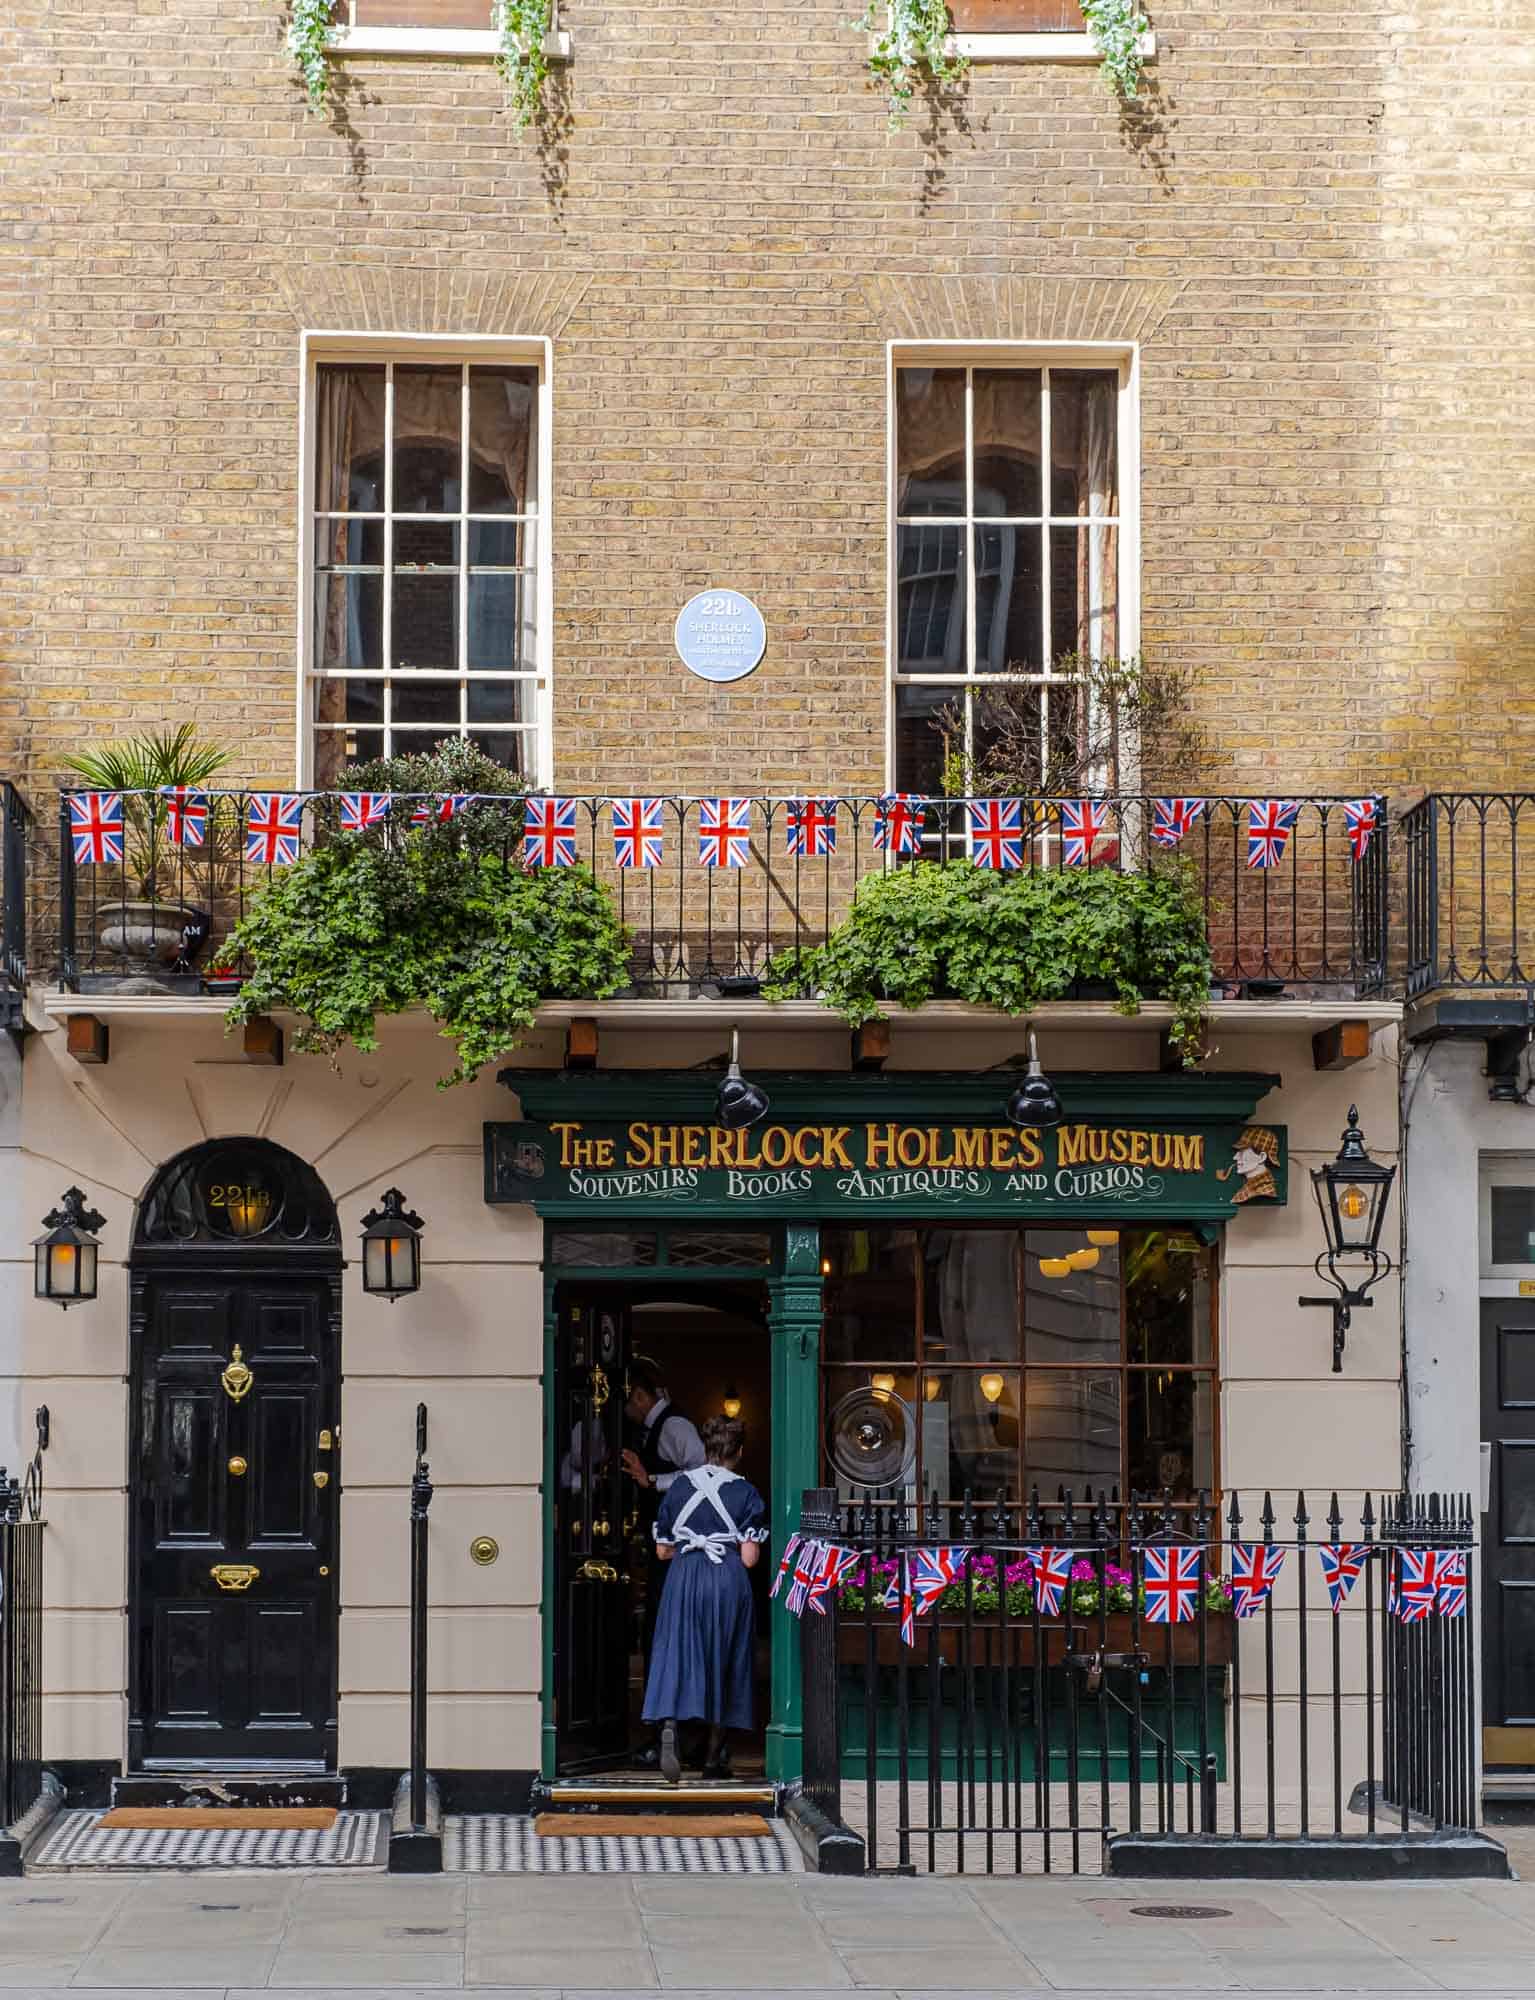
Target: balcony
<point>15,840</point>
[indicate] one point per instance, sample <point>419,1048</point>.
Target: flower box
<point>986,1640</point>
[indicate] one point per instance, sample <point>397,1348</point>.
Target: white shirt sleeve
<point>681,1446</point>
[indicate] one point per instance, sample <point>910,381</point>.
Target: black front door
<point>592,1578</point>
<point>1508,1551</point>
<point>236,1453</point>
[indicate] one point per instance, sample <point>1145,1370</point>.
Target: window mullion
<point>388,609</point>
<point>967,533</point>
<point>463,555</point>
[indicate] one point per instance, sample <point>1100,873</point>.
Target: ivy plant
<point>309,41</point>
<point>1116,27</point>
<point>913,43</point>
<point>522,62</point>
<point>954,931</point>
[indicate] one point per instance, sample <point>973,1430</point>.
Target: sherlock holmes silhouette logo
<point>1096,1166</point>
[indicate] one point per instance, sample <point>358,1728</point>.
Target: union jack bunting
<point>549,833</point>
<point>932,1572</point>
<point>786,1562</point>
<point>811,827</point>
<point>899,820</point>
<point>438,811</point>
<point>1255,1568</point>
<point>908,1604</point>
<point>1083,824</point>
<point>1341,1566</point>
<point>1415,1590</point>
<point>724,832</point>
<point>274,825</point>
<point>834,1565</point>
<point>1171,1576</point>
<point>96,825</point>
<point>637,832</point>
<point>1270,822</point>
<point>360,810</point>
<point>186,815</point>
<point>994,832</point>
<point>1359,816</point>
<point>1171,819</point>
<point>1052,1574</point>
<point>1450,1598</point>
<point>807,1561</point>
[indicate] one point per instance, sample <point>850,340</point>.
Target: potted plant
<point>153,926</point>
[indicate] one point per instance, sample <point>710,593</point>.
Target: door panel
<point>240,1668</point>
<point>1508,1556</point>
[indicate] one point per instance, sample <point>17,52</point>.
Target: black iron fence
<point>415,1840</point>
<point>1470,873</point>
<point>21,1643</point>
<point>15,835</point>
<point>158,898</point>
<point>1316,1683</point>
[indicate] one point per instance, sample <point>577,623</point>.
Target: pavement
<point>239,1934</point>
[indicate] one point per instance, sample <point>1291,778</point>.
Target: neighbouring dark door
<point>235,1466</point>
<point>592,1583</point>
<point>1508,1554</point>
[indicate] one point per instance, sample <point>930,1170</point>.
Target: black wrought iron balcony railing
<point>1294,897</point>
<point>15,835</point>
<point>1469,860</point>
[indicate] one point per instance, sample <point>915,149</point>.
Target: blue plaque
<point>720,635</point>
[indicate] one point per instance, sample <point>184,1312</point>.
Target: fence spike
<point>1001,1514</point>
<point>1268,1517</point>
<point>1032,1530</point>
<point>967,1517</point>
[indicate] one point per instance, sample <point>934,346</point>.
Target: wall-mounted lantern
<point>391,1249</point>
<point>65,1256</point>
<point>1033,1101</point>
<point>740,1101</point>
<point>1351,1192</point>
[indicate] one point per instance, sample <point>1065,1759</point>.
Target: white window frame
<point>513,350</point>
<point>1500,1170</point>
<point>1123,356</point>
<point>349,41</point>
<point>1063,46</point>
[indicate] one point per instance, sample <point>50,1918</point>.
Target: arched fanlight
<point>65,1256</point>
<point>391,1249</point>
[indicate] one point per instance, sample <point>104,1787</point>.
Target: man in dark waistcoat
<point>668,1443</point>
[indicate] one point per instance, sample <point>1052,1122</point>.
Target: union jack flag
<point>1359,816</point>
<point>274,825</point>
<point>637,833</point>
<point>1083,824</point>
<point>549,833</point>
<point>1416,1588</point>
<point>96,825</point>
<point>186,815</point>
<point>899,820</point>
<point>360,810</point>
<point>1255,1568</point>
<point>1171,1576</point>
<point>1270,822</point>
<point>994,832</point>
<point>807,1562</point>
<point>834,1565</point>
<point>437,812</point>
<point>1450,1600</point>
<point>785,1562</point>
<point>908,1605</point>
<point>1052,1574</point>
<point>812,828</point>
<point>724,832</point>
<point>1341,1565</point>
<point>932,1572</point>
<point>1171,819</point>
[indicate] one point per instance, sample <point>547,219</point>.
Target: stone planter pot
<point>987,1632</point>
<point>145,937</point>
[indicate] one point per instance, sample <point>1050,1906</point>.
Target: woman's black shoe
<point>671,1768</point>
<point>718,1767</point>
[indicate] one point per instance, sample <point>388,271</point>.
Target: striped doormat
<point>509,1844</point>
<point>81,1840</point>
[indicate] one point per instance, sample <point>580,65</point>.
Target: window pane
<point>930,440</point>
<point>334,749</point>
<point>500,620</point>
<point>500,544</point>
<point>423,13</point>
<point>1009,633</point>
<point>1071,1297</point>
<point>349,437</point>
<point>349,621</point>
<point>513,749</point>
<point>426,701</point>
<point>426,545</point>
<point>501,701</point>
<point>919,744</point>
<point>602,1247</point>
<point>970,1300</point>
<point>1071,1429</point>
<point>1084,445</point>
<point>969,1424</point>
<point>1167,1297</point>
<point>1016,17</point>
<point>930,604</point>
<point>349,701</point>
<point>353,543</point>
<point>1170,1433</point>
<point>427,430</point>
<point>1084,592</point>
<point>708,1249</point>
<point>425,621</point>
<point>1006,428</point>
<point>1513,1225</point>
<point>869,1295</point>
<point>502,460</point>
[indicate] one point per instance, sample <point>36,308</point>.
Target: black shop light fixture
<point>65,1257</point>
<point>740,1101</point>
<point>1352,1192</point>
<point>391,1249</point>
<point>1034,1101</point>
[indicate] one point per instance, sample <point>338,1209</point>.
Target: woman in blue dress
<point>710,1532</point>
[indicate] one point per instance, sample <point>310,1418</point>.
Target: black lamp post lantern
<point>391,1249</point>
<point>740,1101</point>
<point>1034,1101</point>
<point>65,1257</point>
<point>1352,1192</point>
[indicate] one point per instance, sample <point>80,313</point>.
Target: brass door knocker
<point>237,1378</point>
<point>600,1390</point>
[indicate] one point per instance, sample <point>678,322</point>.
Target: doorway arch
<point>234,1461</point>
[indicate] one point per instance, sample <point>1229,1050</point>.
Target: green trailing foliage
<point>953,931</point>
<point>913,44</point>
<point>522,62</point>
<point>309,40</point>
<point>1116,27</point>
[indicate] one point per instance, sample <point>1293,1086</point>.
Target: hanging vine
<point>309,40</point>
<point>1116,27</point>
<point>522,61</point>
<point>913,43</point>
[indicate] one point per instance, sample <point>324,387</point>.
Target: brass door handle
<point>234,1576</point>
<point>596,1572</point>
<point>602,1529</point>
<point>238,1467</point>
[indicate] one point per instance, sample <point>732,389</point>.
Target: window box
<point>427,28</point>
<point>852,1641</point>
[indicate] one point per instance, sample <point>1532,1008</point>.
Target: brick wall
<point>1317,216</point>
